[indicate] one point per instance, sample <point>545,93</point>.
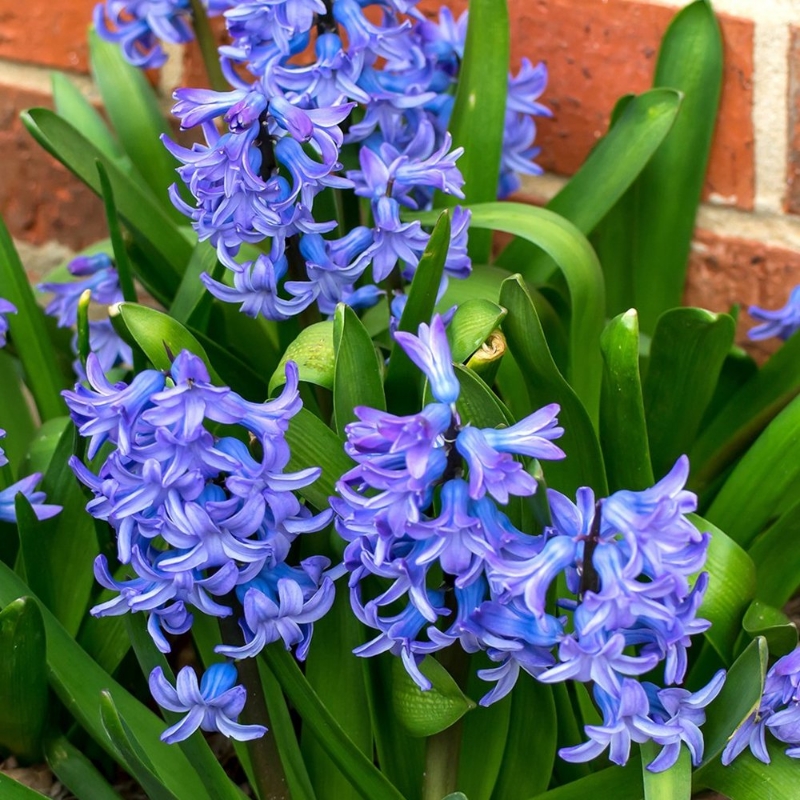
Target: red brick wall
<point>596,50</point>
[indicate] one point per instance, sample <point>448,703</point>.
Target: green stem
<point>270,778</point>
<point>208,47</point>
<point>442,750</point>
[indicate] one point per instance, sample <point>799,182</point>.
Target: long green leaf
<point>686,355</point>
<point>149,221</point>
<point>14,790</point>
<point>192,301</point>
<point>583,465</point>
<point>573,254</point>
<point>668,190</point>
<point>364,776</point>
<point>478,119</point>
<point>777,559</point>
<point>312,352</point>
<point>621,783</point>
<point>23,679</point>
<point>337,676</point>
<point>765,620</point>
<point>15,416</point>
<point>731,587</point>
<point>609,170</point>
<point>132,107</point>
<point>747,412</point>
<point>674,783</point>
<point>29,334</point>
<point>623,431</point>
<point>763,484</point>
<point>402,377</point>
<point>72,106</point>
<point>78,681</point>
<point>76,771</point>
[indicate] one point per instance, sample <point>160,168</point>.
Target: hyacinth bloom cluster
<point>26,487</point>
<point>423,511</point>
<point>782,322</point>
<point>273,144</point>
<point>203,522</point>
<point>778,712</point>
<point>98,274</point>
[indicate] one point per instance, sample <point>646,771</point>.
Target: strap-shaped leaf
<point>312,351</point>
<point>14,790</point>
<point>764,483</point>
<point>23,679</point>
<point>583,465</point>
<point>609,170</point>
<point>674,783</point>
<point>78,682</point>
<point>623,431</point>
<point>621,783</point>
<point>686,355</point>
<point>668,190</point>
<point>478,119</point>
<point>471,326</point>
<point>76,771</point>
<point>29,333</point>
<point>765,620</point>
<point>357,377</point>
<point>731,587</point>
<point>132,107</point>
<point>192,302</point>
<point>777,559</point>
<point>149,221</point>
<point>365,777</point>
<point>15,419</point>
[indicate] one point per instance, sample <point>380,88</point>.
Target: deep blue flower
<point>6,307</point>
<point>214,705</point>
<point>782,322</point>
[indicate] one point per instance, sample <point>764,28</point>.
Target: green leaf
<point>747,412</point>
<point>739,697</point>
<point>192,301</point>
<point>620,783</point>
<point>583,465</point>
<point>765,620</point>
<point>668,190</point>
<point>132,107</point>
<point>149,221</point>
<point>401,757</point>
<point>471,326</point>
<point>424,713</point>
<point>138,764</point>
<point>72,106</point>
<point>78,681</point>
<point>686,355</point>
<point>747,778</point>
<point>357,377</point>
<point>610,168</point>
<point>312,351</point>
<point>29,333</point>
<point>337,676</point>
<point>75,771</point>
<point>763,484</point>
<point>365,777</point>
<point>731,587</point>
<point>477,403</point>
<point>402,377</point>
<point>531,747</point>
<point>574,256</point>
<point>623,431</point>
<point>15,416</point>
<point>42,445</point>
<point>23,679</point>
<point>13,790</point>
<point>674,783</point>
<point>478,120</point>
<point>480,761</point>
<point>777,559</point>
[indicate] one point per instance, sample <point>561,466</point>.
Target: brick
<point>724,271</point>
<point>51,33</point>
<point>792,200</point>
<point>40,199</point>
<point>598,50</point>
